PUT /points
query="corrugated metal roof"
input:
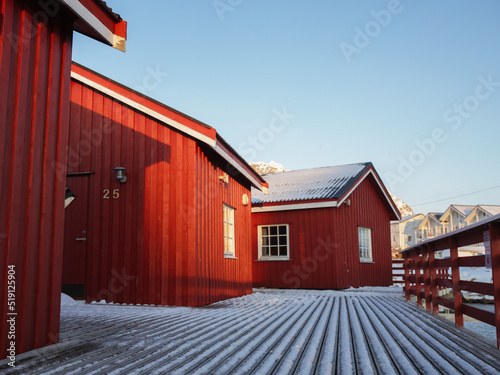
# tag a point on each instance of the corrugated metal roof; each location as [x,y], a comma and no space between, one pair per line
[310,184]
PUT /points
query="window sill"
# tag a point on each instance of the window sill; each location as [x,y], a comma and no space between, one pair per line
[271,259]
[367,261]
[229,257]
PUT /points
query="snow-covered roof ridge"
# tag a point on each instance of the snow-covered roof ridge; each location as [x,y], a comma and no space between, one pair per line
[310,184]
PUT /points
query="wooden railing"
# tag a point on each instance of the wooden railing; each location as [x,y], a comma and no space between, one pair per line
[398,275]
[424,275]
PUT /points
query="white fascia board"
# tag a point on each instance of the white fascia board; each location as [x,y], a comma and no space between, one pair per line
[296,206]
[89,18]
[146,110]
[240,169]
[398,214]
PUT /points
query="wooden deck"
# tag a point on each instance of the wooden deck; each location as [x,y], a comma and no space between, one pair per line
[365,331]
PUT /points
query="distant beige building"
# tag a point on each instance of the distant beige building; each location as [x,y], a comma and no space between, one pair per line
[403,232]
[454,217]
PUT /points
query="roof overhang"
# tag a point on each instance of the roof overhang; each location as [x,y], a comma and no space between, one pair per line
[295,206]
[395,214]
[240,166]
[170,117]
[93,20]
[301,205]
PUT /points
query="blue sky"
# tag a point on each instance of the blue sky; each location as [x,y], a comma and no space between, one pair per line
[412,86]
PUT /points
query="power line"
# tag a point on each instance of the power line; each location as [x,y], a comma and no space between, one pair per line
[458,196]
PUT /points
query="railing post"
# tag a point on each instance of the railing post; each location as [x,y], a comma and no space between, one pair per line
[433,279]
[427,280]
[406,266]
[455,275]
[495,268]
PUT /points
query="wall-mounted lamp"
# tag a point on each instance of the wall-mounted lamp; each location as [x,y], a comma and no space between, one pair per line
[347,202]
[245,200]
[120,174]
[224,178]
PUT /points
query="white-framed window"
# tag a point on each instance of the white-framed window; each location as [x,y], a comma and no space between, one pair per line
[228,222]
[274,242]
[365,244]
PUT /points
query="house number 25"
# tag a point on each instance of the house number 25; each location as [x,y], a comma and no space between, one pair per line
[107,194]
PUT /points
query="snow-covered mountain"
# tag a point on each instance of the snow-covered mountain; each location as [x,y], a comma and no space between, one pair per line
[402,206]
[273,167]
[262,168]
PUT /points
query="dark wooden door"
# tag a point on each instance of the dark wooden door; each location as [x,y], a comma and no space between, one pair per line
[76,237]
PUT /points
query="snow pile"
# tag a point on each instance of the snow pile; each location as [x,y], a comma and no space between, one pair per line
[66,300]
[477,274]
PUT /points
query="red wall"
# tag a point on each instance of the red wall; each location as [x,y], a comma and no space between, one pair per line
[324,249]
[35,61]
[161,241]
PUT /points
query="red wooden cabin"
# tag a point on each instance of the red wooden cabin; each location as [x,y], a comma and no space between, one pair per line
[323,228]
[35,63]
[177,231]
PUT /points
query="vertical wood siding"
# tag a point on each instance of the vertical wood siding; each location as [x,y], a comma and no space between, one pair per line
[161,241]
[35,62]
[324,252]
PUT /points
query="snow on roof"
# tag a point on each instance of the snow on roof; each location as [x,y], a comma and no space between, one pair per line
[404,218]
[310,184]
[463,210]
[490,209]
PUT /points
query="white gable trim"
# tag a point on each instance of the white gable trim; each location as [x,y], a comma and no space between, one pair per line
[296,206]
[381,187]
[144,109]
[235,164]
[89,18]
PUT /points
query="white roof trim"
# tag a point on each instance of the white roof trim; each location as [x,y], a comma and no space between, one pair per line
[234,163]
[144,109]
[398,214]
[86,15]
[295,206]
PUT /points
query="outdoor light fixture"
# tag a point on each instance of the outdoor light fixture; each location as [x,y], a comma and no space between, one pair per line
[224,178]
[120,174]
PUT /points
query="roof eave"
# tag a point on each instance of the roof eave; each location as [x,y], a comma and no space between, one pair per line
[370,170]
[240,165]
[97,23]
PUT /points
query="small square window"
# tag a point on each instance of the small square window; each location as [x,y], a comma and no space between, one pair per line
[274,242]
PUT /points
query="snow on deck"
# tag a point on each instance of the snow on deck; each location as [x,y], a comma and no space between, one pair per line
[366,330]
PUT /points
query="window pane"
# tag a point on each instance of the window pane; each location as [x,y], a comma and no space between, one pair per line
[282,229]
[265,231]
[282,240]
[274,250]
[274,240]
[265,251]
[274,230]
[283,251]
[265,241]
